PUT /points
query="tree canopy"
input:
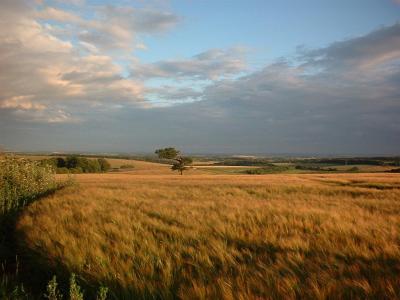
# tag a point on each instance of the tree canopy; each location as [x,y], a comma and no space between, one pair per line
[180,163]
[168,153]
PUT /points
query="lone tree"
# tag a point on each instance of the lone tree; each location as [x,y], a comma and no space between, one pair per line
[180,163]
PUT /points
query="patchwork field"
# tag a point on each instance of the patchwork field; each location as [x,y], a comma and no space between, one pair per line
[221,236]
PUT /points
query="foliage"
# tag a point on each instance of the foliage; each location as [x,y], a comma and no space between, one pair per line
[75,292]
[22,181]
[127,166]
[10,286]
[267,170]
[104,164]
[243,162]
[180,163]
[102,294]
[312,167]
[76,164]
[373,161]
[353,169]
[52,290]
[167,153]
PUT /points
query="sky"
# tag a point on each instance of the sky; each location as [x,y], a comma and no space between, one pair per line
[235,77]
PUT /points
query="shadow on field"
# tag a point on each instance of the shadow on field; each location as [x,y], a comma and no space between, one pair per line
[38,271]
[8,220]
[15,267]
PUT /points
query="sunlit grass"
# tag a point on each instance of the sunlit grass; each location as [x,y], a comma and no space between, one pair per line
[225,237]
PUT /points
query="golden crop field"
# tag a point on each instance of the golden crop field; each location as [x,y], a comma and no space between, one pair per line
[149,236]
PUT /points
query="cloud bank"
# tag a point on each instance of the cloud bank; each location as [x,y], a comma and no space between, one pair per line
[60,73]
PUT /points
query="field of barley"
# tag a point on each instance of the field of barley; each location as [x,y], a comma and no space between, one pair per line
[198,236]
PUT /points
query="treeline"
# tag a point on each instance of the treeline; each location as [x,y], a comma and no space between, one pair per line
[314,168]
[75,164]
[148,158]
[244,162]
[373,161]
[270,169]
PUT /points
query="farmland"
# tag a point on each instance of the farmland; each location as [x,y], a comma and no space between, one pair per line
[199,150]
[148,233]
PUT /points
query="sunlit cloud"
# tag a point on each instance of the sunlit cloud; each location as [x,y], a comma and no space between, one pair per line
[73,63]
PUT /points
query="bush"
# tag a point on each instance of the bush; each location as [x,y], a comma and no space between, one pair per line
[75,164]
[63,171]
[314,168]
[71,162]
[267,170]
[75,291]
[353,169]
[21,181]
[127,166]
[104,164]
[75,171]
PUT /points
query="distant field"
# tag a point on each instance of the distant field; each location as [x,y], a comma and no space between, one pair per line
[204,166]
[364,168]
[281,236]
[140,166]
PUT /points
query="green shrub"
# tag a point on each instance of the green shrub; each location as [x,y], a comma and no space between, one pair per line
[271,169]
[75,170]
[127,166]
[102,294]
[75,165]
[104,165]
[63,171]
[353,169]
[52,290]
[75,292]
[21,181]
[71,162]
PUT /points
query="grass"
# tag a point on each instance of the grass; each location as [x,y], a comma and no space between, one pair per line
[281,236]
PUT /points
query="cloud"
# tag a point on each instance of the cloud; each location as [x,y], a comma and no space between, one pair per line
[209,65]
[73,2]
[138,20]
[62,68]
[51,13]
[169,95]
[21,103]
[141,46]
[40,70]
[111,27]
[362,53]
[343,98]
[345,93]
